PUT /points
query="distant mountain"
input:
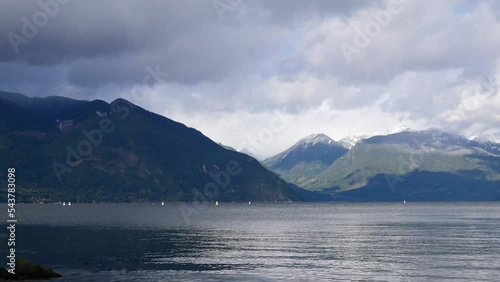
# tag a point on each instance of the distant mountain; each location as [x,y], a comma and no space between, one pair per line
[45,106]
[306,158]
[421,165]
[68,150]
[46,110]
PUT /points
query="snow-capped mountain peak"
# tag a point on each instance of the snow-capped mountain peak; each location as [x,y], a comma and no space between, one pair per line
[351,140]
[314,150]
[316,139]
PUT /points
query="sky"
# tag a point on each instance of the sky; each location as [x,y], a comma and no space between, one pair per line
[259,75]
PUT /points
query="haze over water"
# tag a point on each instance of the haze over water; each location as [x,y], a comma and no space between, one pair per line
[264,242]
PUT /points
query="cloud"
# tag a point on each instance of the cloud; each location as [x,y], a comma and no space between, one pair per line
[227,75]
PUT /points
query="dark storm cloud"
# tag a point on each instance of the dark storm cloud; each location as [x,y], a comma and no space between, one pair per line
[69,31]
[34,80]
[112,42]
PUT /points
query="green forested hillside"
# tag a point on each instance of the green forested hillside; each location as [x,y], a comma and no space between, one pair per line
[121,152]
[428,165]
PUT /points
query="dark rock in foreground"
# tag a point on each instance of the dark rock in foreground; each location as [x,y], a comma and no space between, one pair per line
[27,270]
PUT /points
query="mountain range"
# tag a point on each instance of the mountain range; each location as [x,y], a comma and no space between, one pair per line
[306,159]
[85,151]
[427,165]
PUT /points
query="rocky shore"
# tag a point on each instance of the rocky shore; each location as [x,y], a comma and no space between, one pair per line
[27,270]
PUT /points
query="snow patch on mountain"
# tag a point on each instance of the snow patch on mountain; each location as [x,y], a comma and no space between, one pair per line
[479,139]
[351,140]
[399,129]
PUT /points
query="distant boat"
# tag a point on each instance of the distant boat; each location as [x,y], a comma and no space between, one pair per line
[216,203]
[64,203]
[249,203]
[162,203]
[404,202]
[69,203]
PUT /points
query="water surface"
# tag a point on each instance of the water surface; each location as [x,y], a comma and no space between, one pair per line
[264,242]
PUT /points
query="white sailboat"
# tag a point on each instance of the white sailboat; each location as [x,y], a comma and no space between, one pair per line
[216,203]
[162,203]
[69,203]
[64,204]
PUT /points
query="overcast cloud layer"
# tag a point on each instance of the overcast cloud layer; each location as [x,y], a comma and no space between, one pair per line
[230,67]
